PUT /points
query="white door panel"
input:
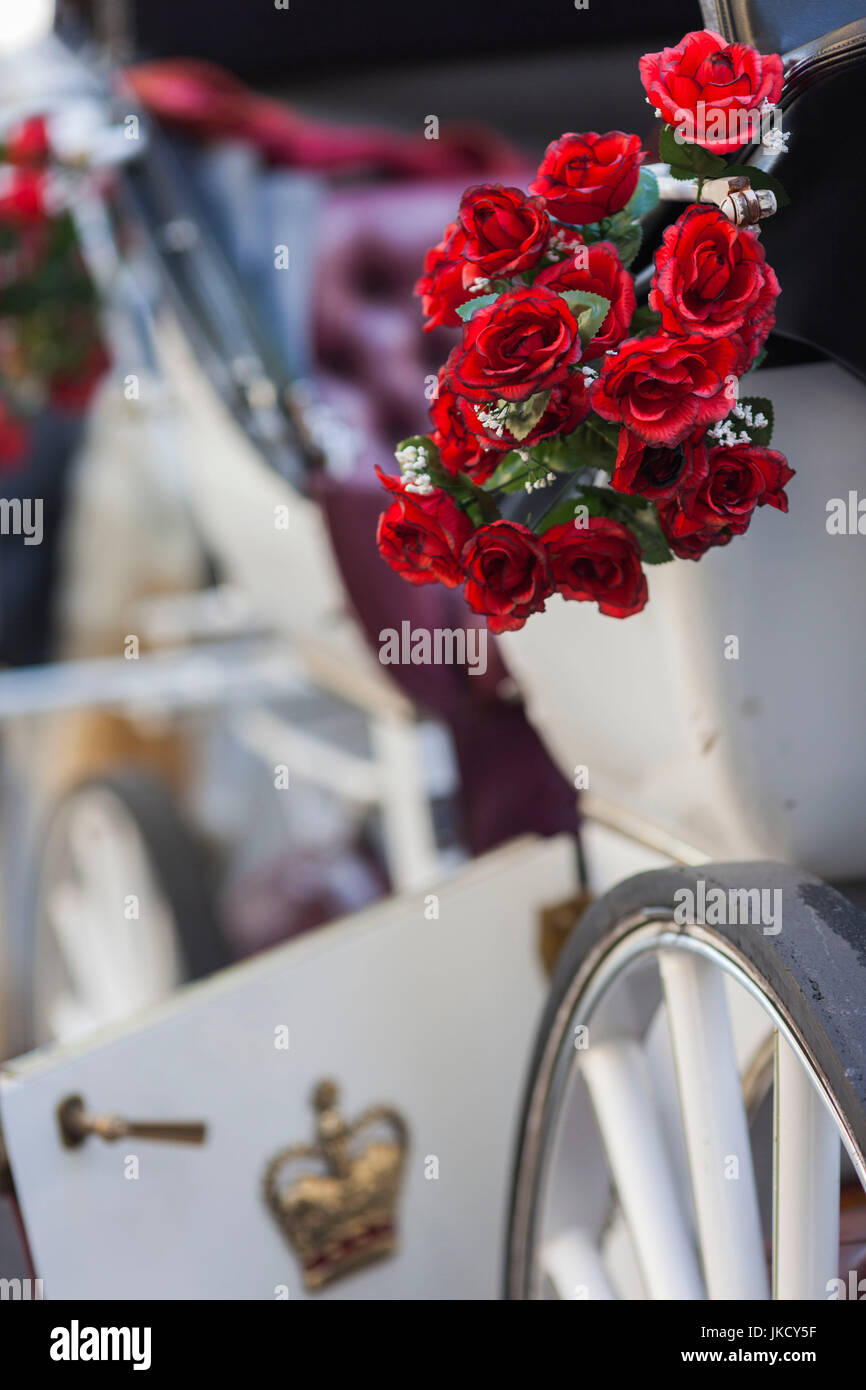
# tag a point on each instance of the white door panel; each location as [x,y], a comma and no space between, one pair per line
[435,1018]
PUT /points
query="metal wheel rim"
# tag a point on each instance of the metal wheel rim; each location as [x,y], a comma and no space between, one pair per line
[640,935]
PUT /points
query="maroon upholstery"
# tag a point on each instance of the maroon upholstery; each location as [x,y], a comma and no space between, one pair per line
[375,360]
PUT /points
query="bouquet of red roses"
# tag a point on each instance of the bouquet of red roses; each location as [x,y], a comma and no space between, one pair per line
[51,349]
[624,425]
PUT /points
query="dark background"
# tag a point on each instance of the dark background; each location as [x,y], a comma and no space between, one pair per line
[530,68]
[254,39]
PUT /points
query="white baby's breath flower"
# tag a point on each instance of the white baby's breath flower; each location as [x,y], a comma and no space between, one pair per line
[775,140]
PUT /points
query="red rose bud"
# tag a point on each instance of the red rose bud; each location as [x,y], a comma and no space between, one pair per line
[708,88]
[710,277]
[583,178]
[598,563]
[441,286]
[647,470]
[27,143]
[13,441]
[524,342]
[662,389]
[421,536]
[22,195]
[507,574]
[505,231]
[599,269]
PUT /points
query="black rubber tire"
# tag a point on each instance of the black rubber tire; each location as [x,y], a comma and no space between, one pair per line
[814,970]
[179,860]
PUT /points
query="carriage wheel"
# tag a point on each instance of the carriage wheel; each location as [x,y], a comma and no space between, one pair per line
[124,911]
[695,1119]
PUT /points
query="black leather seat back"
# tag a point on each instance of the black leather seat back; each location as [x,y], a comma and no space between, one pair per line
[777,26]
[816,244]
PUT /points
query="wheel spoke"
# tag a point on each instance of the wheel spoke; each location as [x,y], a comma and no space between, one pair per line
[573,1265]
[806,1149]
[620,1087]
[715,1128]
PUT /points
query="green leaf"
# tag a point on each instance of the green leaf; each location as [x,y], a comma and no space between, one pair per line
[522,416]
[645,196]
[688,161]
[473,499]
[759,178]
[626,236]
[644,320]
[594,443]
[606,429]
[511,474]
[559,454]
[592,231]
[564,510]
[589,309]
[466,310]
[648,532]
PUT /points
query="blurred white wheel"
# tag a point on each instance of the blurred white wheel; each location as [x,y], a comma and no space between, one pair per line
[124,912]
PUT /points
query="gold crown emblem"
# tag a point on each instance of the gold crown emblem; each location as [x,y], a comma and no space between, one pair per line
[345,1216]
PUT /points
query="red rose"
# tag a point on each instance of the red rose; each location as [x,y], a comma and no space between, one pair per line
[662,388]
[583,178]
[28,142]
[505,231]
[462,448]
[689,544]
[441,285]
[525,341]
[710,277]
[599,562]
[23,196]
[13,441]
[648,470]
[605,275]
[739,479]
[750,340]
[732,79]
[507,574]
[567,407]
[421,537]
